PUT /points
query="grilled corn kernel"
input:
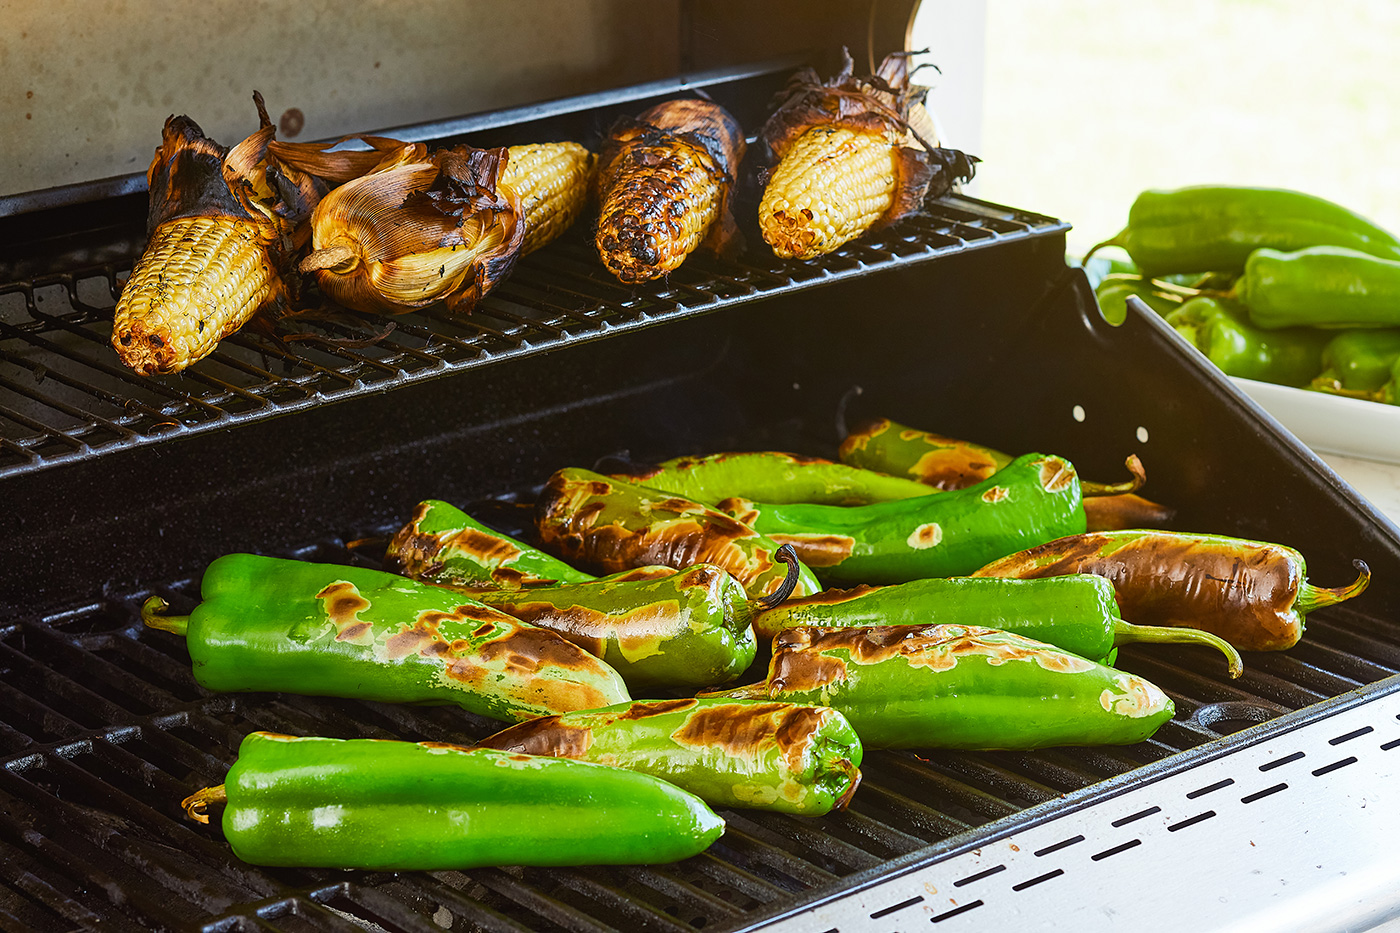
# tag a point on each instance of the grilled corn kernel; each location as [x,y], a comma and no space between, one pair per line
[199,280]
[552,182]
[658,203]
[828,189]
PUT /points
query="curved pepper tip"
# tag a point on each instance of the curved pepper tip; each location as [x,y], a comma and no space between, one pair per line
[788,555]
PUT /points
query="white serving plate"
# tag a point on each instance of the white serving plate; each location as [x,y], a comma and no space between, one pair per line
[1331,423]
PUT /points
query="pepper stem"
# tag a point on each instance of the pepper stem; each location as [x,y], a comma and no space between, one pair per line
[1125,633]
[1134,466]
[1316,597]
[788,555]
[151,617]
[1115,241]
[196,805]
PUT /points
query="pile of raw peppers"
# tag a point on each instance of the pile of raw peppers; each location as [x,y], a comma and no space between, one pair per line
[1269,284]
[921,592]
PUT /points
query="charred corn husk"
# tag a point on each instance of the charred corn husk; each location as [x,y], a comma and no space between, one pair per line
[850,155]
[418,231]
[552,181]
[664,183]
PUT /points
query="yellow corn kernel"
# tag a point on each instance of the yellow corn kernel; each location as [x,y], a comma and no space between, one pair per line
[658,204]
[828,189]
[199,280]
[552,182]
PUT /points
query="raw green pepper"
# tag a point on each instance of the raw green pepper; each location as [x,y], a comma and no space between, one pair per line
[1358,361]
[1113,294]
[1034,499]
[610,525]
[1325,286]
[958,686]
[328,630]
[1221,330]
[394,806]
[730,753]
[1076,612]
[1215,228]
[1253,594]
[772,477]
[443,544]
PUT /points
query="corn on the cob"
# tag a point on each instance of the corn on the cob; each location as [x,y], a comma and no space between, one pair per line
[852,155]
[665,181]
[416,232]
[552,182]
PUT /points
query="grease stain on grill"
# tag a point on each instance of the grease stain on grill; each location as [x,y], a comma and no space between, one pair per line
[1191,821]
[1328,769]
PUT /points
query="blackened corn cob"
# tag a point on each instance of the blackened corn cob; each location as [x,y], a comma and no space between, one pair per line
[665,181]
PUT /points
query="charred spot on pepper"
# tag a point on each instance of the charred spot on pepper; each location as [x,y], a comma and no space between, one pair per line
[995,494]
[739,729]
[1056,475]
[548,735]
[639,711]
[816,550]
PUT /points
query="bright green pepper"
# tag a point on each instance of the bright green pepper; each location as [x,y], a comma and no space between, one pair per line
[394,806]
[1034,499]
[1076,612]
[1113,294]
[730,753]
[958,686]
[1221,330]
[1325,286]
[1215,228]
[773,477]
[1358,361]
[610,525]
[443,544]
[328,630]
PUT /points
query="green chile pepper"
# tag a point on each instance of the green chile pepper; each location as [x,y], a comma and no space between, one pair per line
[1113,294]
[1253,594]
[1221,330]
[1215,227]
[1358,361]
[1076,612]
[770,476]
[959,686]
[1034,499]
[1325,286]
[394,806]
[942,462]
[689,629]
[610,525]
[327,630]
[443,544]
[730,753]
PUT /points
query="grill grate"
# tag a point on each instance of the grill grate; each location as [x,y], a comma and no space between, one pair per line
[103,731]
[64,395]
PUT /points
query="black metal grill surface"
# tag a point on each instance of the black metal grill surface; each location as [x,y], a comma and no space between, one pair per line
[103,732]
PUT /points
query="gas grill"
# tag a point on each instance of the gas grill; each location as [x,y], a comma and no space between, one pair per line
[1263,795]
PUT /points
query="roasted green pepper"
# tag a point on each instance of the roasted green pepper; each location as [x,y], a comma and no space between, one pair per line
[609,525]
[1358,361]
[1034,499]
[394,806]
[772,477]
[1221,330]
[1076,612]
[1325,286]
[328,630]
[1215,228]
[958,686]
[1253,594]
[730,753]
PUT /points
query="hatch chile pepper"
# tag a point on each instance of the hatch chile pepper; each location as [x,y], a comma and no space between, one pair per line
[1221,330]
[392,806]
[1214,228]
[1034,499]
[730,753]
[1077,613]
[1253,594]
[1325,286]
[328,630]
[769,476]
[1358,361]
[609,525]
[958,686]
[1113,294]
[946,463]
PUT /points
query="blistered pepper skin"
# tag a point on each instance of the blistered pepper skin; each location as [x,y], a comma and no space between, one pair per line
[391,806]
[959,686]
[329,630]
[772,476]
[756,754]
